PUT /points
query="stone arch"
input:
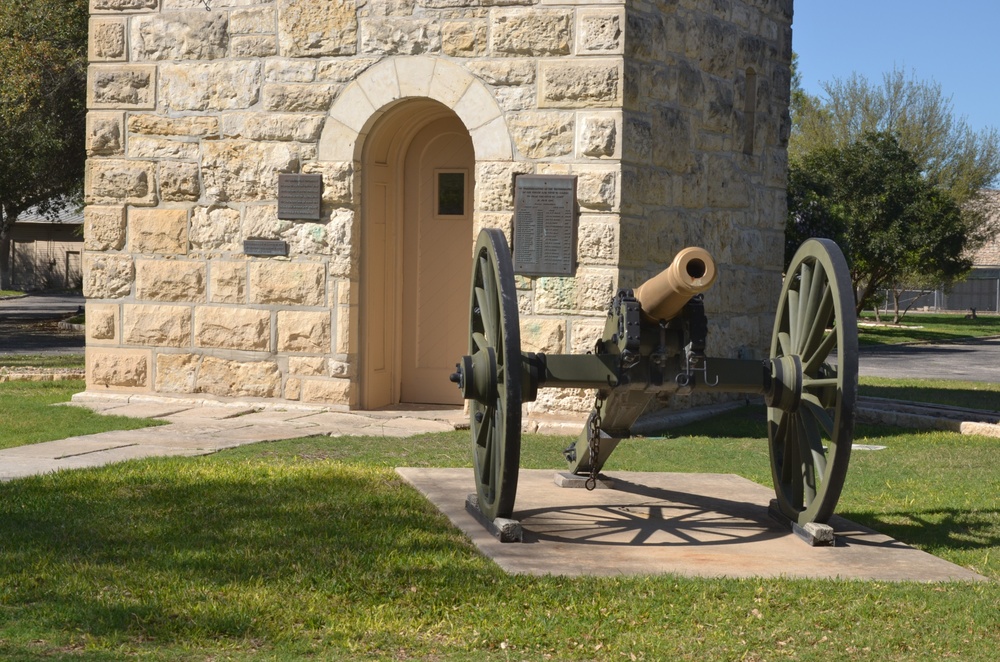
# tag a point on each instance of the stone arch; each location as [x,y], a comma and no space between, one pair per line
[395,79]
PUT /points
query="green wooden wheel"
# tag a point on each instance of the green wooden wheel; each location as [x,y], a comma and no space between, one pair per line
[494,385]
[814,365]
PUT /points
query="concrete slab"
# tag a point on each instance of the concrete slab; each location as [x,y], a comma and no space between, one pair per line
[209,413]
[146,410]
[276,416]
[62,448]
[706,525]
[329,421]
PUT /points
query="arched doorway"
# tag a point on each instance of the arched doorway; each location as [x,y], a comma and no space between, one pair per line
[418,166]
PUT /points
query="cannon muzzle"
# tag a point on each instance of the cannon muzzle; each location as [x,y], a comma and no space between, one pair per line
[664,295]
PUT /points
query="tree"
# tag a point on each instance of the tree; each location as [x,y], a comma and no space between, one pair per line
[950,157]
[950,154]
[873,198]
[43,60]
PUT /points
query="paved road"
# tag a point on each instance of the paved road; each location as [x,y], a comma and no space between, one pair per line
[976,360]
[30,325]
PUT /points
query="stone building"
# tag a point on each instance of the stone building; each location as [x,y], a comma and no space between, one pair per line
[671,115]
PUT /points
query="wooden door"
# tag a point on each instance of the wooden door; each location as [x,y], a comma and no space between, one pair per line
[436,260]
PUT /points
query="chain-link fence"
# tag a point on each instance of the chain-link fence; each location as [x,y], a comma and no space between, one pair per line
[981,290]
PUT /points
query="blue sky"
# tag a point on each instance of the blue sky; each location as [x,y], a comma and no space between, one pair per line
[953,43]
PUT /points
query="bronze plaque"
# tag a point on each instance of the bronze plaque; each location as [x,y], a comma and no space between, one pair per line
[300,197]
[544,225]
[265,247]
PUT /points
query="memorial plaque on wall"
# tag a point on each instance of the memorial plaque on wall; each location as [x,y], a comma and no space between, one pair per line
[544,225]
[300,197]
[265,247]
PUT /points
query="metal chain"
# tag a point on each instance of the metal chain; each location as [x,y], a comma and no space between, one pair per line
[594,445]
[208,4]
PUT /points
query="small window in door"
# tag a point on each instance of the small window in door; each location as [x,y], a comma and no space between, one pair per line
[450,194]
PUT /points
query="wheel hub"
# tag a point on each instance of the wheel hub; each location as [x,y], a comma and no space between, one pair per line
[476,376]
[786,383]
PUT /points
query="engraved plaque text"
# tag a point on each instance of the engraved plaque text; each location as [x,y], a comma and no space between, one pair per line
[544,225]
[265,247]
[299,197]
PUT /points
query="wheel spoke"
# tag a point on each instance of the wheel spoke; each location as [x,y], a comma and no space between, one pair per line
[813,448]
[807,457]
[785,343]
[485,310]
[781,430]
[815,408]
[482,433]
[496,435]
[812,363]
[486,466]
[801,306]
[793,321]
[492,297]
[479,341]
[820,314]
[790,451]
[808,382]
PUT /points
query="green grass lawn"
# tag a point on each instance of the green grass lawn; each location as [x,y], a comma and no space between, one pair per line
[313,549]
[926,327]
[10,293]
[27,414]
[74,361]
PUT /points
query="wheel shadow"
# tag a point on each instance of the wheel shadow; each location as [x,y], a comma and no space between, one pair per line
[662,518]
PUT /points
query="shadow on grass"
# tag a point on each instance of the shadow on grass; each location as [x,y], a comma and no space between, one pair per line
[171,551]
[937,529]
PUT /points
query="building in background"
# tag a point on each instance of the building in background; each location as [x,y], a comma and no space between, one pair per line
[980,290]
[46,250]
[417,117]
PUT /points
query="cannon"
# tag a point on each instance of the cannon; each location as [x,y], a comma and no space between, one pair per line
[654,346]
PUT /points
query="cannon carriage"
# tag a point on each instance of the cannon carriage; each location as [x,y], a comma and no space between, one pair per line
[654,345]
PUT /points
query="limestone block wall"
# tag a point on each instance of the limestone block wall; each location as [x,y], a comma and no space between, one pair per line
[704,156]
[196,106]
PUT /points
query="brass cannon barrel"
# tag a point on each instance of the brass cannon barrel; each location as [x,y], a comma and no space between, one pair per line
[663,296]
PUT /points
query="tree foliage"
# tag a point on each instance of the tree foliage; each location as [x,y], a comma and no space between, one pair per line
[891,173]
[873,198]
[43,71]
[949,152]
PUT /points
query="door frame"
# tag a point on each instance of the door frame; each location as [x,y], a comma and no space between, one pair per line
[386,146]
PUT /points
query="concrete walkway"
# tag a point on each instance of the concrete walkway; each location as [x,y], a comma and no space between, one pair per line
[201,427]
[204,426]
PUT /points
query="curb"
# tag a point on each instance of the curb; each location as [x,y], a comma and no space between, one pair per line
[928,417]
[917,343]
[85,397]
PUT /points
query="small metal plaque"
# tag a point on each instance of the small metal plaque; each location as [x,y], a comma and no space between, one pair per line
[300,197]
[265,247]
[544,225]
